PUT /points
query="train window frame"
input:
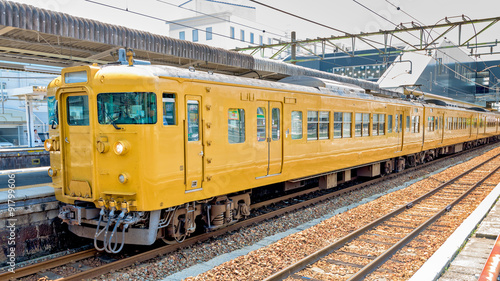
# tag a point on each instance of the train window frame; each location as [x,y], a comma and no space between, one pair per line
[193,121]
[323,123]
[53,111]
[297,125]
[381,124]
[347,125]
[415,128]
[337,124]
[275,124]
[236,119]
[390,123]
[124,112]
[261,128]
[312,124]
[362,124]
[169,101]
[375,122]
[366,125]
[430,124]
[84,111]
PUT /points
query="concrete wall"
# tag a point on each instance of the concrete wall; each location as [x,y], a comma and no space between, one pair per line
[35,229]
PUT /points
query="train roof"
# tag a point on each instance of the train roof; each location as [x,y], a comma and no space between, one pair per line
[303,84]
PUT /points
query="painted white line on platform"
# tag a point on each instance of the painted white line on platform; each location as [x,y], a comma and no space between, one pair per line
[24,170]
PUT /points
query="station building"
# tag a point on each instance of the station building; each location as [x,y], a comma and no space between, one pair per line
[446,71]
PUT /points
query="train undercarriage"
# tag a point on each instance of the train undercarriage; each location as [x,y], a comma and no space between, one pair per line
[111,228]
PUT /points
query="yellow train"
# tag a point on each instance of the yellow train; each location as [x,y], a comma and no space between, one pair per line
[141,152]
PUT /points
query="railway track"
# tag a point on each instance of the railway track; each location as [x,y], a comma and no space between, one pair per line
[86,272]
[375,243]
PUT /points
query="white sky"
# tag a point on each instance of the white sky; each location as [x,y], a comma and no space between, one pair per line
[345,15]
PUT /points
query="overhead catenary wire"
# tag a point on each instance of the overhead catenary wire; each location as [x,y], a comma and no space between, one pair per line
[463,16]
[470,80]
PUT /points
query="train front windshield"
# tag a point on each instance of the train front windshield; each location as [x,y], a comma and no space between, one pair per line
[127,108]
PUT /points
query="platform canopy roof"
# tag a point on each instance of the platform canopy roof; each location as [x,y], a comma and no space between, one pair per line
[33,35]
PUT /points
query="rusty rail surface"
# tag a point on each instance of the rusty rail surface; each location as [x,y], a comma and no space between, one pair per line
[373,265]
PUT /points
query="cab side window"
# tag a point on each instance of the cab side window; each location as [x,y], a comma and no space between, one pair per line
[169,109]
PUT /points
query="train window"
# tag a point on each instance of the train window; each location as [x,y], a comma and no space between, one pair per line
[236,125]
[296,125]
[389,123]
[455,123]
[346,125]
[436,123]
[362,124]
[126,108]
[375,125]
[77,110]
[378,126]
[193,120]
[381,124]
[275,122]
[358,123]
[480,122]
[261,124]
[324,125]
[475,123]
[415,124]
[52,108]
[408,124]
[430,123]
[169,109]
[400,123]
[312,125]
[337,125]
[366,124]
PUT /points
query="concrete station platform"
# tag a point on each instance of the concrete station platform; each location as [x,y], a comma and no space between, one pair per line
[464,254]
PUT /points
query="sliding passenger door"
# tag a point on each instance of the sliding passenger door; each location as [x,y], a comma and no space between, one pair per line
[269,138]
[193,141]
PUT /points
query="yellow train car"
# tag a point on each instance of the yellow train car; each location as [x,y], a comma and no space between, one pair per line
[141,152]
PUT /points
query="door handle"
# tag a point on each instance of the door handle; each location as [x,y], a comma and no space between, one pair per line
[66,139]
[201,154]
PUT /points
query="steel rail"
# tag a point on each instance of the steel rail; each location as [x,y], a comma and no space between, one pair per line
[316,256]
[45,265]
[382,258]
[91,273]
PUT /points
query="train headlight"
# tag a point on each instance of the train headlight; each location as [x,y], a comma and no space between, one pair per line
[123,178]
[51,172]
[48,144]
[121,147]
